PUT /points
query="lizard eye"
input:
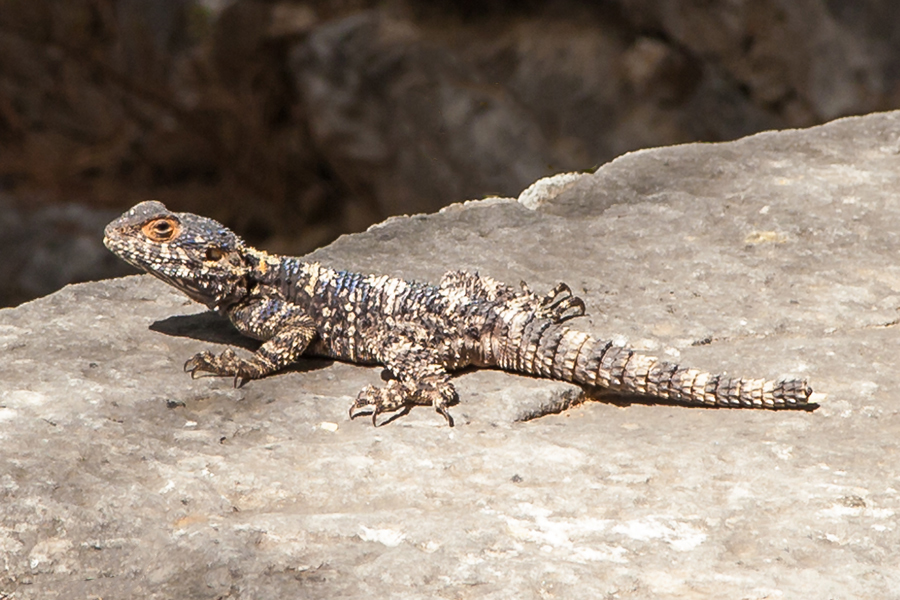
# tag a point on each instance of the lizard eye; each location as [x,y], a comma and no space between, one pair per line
[161,230]
[214,254]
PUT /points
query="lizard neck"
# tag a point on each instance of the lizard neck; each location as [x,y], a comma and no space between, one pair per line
[293,279]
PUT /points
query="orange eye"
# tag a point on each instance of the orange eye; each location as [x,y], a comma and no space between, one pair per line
[161,230]
[214,254]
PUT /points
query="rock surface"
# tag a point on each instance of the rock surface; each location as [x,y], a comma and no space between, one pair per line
[773,255]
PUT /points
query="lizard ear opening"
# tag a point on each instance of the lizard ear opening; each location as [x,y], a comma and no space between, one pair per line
[161,230]
[214,254]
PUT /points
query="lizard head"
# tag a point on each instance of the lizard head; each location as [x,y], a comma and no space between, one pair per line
[199,256]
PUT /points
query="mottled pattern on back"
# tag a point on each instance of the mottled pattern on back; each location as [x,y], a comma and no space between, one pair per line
[419,332]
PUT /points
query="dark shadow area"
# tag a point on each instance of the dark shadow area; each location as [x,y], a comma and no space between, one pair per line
[206,327]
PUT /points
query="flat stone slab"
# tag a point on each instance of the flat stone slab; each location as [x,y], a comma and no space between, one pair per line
[775,255]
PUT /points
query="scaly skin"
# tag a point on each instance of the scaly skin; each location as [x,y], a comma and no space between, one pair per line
[419,332]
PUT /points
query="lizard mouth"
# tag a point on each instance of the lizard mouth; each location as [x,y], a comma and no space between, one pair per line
[194,292]
[122,252]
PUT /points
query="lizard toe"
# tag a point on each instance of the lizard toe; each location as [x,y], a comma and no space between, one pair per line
[364,403]
[198,363]
[560,304]
[440,398]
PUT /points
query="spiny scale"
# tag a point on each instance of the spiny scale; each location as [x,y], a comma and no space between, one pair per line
[419,332]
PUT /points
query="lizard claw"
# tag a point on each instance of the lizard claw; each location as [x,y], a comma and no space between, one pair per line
[198,363]
[362,405]
[556,295]
[442,410]
[574,303]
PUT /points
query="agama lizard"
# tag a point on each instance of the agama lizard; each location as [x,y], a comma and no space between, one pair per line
[419,332]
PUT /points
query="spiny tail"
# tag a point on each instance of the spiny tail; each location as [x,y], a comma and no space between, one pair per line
[552,350]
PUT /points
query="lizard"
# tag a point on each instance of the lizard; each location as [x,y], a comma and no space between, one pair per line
[420,333]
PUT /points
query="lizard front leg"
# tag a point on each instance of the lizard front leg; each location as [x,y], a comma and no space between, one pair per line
[285,327]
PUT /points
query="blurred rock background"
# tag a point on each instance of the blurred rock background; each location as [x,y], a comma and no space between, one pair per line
[294,122]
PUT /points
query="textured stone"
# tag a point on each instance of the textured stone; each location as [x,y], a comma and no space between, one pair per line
[773,255]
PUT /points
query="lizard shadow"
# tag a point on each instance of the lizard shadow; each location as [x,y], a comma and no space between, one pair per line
[205,327]
[213,328]
[624,400]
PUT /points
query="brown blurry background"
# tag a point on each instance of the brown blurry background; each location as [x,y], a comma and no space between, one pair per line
[294,122]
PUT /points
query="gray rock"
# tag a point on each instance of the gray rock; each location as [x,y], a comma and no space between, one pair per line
[773,255]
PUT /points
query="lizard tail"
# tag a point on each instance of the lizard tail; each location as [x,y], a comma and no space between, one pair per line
[548,349]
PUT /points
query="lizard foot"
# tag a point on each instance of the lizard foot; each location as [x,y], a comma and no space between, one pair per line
[395,397]
[377,400]
[227,364]
[561,304]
